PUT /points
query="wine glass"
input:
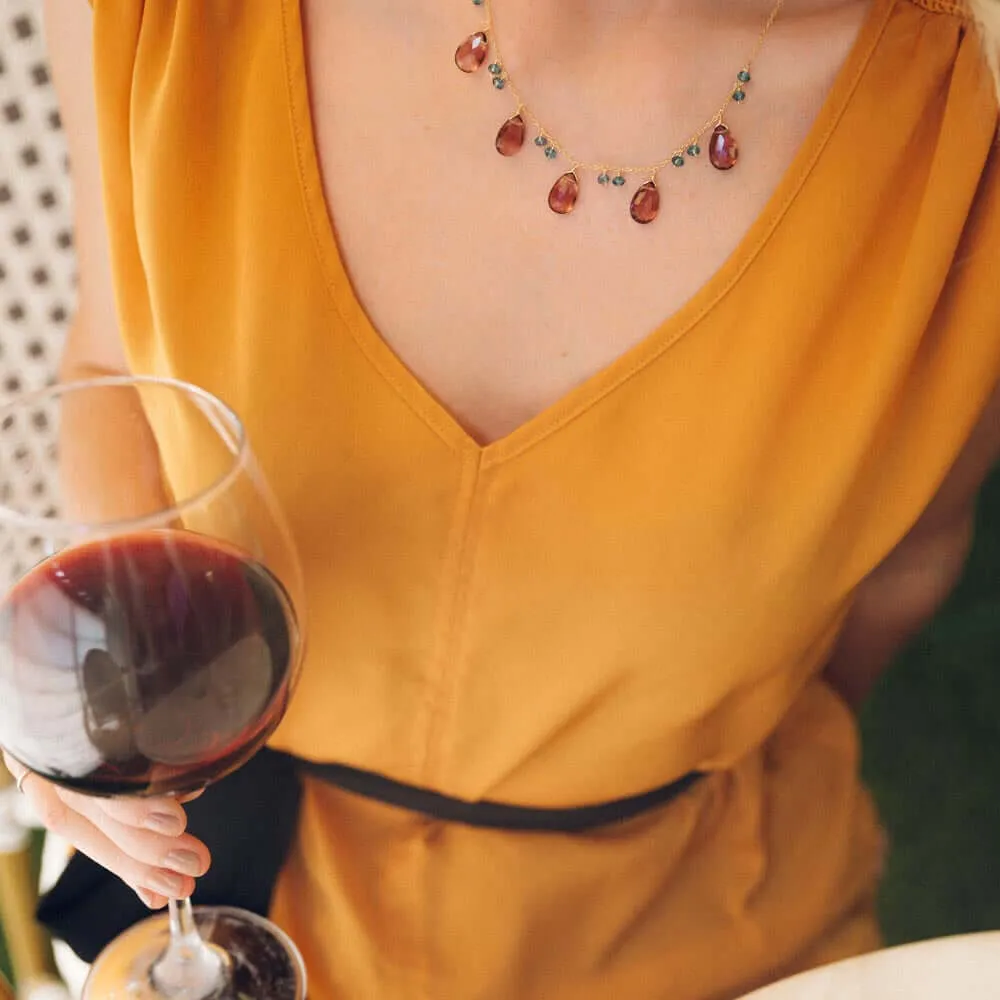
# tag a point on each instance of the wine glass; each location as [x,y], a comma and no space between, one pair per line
[150,635]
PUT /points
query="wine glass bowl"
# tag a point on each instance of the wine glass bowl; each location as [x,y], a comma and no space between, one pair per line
[164,659]
[150,623]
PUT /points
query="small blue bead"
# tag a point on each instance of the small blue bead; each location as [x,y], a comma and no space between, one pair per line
[540,140]
[619,181]
[694,149]
[743,76]
[479,3]
[551,152]
[678,161]
[739,95]
[604,178]
[499,82]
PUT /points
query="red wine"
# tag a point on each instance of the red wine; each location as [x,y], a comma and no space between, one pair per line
[148,663]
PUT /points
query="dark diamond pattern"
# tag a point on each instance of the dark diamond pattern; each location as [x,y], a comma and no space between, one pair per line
[22,27]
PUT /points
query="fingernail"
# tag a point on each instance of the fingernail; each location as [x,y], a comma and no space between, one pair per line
[168,824]
[167,884]
[148,899]
[185,862]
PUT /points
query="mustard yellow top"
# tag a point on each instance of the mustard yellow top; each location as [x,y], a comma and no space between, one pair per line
[621,590]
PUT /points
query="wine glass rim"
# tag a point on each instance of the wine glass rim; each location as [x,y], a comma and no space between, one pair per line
[49,525]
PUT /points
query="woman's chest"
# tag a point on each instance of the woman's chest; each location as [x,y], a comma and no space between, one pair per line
[498,306]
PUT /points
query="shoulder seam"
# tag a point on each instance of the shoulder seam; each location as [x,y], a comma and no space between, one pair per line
[953,8]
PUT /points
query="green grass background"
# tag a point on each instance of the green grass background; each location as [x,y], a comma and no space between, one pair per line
[932,757]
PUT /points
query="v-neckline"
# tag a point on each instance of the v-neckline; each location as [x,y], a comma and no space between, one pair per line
[582,397]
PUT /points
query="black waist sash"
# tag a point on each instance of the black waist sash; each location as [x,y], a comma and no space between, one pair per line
[248,822]
[495,815]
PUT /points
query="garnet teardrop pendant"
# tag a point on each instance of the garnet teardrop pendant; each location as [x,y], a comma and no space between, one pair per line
[723,151]
[471,54]
[645,203]
[565,191]
[510,138]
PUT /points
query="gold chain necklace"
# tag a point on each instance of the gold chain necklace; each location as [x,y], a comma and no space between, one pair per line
[723,149]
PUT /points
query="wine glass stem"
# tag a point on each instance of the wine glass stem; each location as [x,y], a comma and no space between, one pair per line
[190,969]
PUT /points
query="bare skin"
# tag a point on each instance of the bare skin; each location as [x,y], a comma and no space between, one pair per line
[457,231]
[610,78]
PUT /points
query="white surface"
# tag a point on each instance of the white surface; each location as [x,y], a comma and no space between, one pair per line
[13,835]
[954,968]
[73,970]
[45,991]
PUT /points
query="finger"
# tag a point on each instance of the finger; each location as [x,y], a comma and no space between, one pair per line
[150,899]
[81,833]
[162,815]
[118,820]
[16,768]
[164,807]
[185,854]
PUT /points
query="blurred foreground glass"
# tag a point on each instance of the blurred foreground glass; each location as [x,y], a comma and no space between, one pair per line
[150,636]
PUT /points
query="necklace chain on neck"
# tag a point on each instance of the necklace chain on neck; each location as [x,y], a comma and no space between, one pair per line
[723,149]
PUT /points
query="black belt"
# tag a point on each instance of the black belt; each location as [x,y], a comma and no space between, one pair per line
[495,815]
[248,821]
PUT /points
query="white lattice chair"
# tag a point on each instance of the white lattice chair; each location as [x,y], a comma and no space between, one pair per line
[37,280]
